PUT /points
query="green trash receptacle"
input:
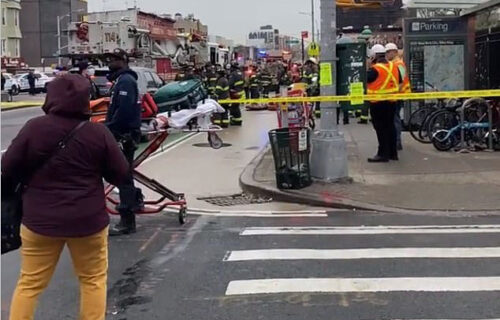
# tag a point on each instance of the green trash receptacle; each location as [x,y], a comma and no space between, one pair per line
[291,150]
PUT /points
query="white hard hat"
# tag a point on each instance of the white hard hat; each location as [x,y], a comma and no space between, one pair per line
[313,60]
[391,46]
[378,49]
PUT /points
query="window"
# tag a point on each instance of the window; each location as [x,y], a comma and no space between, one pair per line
[16,18]
[159,82]
[16,48]
[3,47]
[149,80]
[4,16]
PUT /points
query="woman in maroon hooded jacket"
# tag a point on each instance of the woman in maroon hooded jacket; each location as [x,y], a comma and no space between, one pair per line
[63,203]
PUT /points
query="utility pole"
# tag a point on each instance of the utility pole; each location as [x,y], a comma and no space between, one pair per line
[329,156]
[59,59]
[312,19]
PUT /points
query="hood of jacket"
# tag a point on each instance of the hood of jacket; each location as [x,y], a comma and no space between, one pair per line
[68,96]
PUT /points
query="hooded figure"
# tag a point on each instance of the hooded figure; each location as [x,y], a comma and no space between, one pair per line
[69,188]
[63,198]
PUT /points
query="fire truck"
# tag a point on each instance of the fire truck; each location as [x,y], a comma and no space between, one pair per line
[91,40]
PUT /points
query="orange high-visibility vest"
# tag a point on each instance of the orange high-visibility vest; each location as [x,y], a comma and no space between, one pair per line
[387,81]
[406,86]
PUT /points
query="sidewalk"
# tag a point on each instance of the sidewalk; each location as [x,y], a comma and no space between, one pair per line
[423,179]
[200,171]
[22,101]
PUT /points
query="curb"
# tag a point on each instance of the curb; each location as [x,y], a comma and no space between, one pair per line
[249,185]
[5,109]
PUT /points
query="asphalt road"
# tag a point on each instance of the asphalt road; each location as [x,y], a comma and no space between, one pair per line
[14,120]
[412,267]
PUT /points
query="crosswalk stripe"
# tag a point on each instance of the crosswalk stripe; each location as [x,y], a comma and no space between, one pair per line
[348,230]
[376,253]
[341,285]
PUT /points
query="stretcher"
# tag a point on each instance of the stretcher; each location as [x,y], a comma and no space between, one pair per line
[158,129]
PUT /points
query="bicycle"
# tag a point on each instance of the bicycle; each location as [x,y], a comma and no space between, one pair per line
[476,132]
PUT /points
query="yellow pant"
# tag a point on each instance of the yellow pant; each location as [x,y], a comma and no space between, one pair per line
[39,256]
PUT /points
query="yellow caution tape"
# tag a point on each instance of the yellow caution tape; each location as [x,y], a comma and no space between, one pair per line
[375,97]
[19,104]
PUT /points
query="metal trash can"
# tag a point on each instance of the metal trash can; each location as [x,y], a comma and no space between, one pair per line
[291,150]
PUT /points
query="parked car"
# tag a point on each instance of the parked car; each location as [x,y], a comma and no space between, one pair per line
[148,80]
[11,84]
[40,84]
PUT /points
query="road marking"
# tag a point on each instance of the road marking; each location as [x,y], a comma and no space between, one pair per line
[150,240]
[339,285]
[247,214]
[348,230]
[171,146]
[258,211]
[347,254]
[263,215]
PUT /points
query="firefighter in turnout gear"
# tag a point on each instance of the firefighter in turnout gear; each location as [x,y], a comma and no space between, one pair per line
[265,81]
[221,93]
[254,84]
[383,77]
[310,76]
[237,91]
[211,80]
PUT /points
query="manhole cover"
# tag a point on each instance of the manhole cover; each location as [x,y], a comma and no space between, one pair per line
[206,145]
[235,199]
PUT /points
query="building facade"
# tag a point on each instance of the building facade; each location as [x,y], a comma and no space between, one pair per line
[377,18]
[190,25]
[38,22]
[11,31]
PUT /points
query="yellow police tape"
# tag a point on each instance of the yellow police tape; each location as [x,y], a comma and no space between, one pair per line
[375,97]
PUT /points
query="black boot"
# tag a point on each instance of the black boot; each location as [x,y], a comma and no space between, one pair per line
[125,226]
[378,158]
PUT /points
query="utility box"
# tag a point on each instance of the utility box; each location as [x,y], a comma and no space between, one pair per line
[351,68]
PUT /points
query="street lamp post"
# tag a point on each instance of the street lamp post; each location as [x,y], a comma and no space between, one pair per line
[59,19]
[329,156]
[312,19]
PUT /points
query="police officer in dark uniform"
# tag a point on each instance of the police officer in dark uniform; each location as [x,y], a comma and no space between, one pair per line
[123,119]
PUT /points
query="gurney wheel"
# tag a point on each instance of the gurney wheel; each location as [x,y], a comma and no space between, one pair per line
[214,140]
[182,215]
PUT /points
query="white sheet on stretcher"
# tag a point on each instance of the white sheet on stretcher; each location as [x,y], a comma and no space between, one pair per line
[180,119]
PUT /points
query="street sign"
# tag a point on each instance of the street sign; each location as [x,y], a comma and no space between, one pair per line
[305,34]
[313,50]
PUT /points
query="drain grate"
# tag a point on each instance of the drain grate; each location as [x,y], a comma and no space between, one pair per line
[235,199]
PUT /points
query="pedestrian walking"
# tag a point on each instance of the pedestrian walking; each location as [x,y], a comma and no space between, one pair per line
[383,78]
[62,160]
[31,82]
[123,119]
[392,55]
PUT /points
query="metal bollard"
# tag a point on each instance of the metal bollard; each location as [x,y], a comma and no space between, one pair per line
[462,130]
[490,126]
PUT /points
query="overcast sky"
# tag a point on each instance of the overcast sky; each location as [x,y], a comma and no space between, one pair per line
[233,19]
